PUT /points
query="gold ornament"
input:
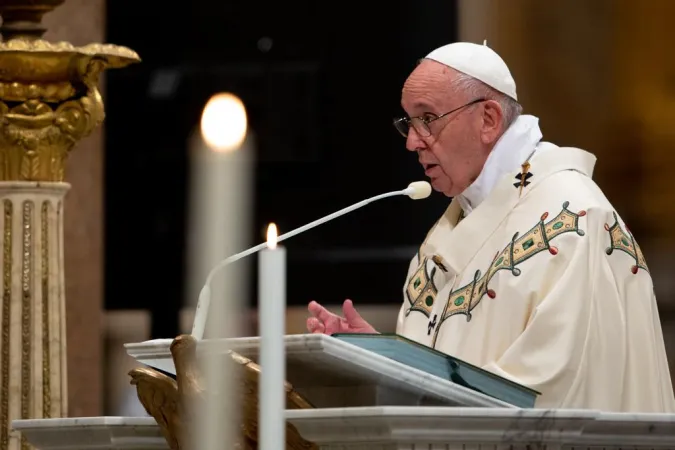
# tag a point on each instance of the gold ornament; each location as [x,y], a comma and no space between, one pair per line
[49,97]
[167,399]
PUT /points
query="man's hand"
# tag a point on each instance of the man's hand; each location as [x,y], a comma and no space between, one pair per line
[325,322]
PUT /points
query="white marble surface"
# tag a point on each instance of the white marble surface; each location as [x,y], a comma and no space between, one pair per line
[100,433]
[316,360]
[647,430]
[394,427]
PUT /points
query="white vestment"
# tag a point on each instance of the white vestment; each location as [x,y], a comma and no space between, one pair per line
[545,286]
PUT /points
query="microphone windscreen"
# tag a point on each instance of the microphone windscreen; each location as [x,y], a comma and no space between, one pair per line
[418,190]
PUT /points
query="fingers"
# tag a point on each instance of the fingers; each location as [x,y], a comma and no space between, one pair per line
[350,313]
[315,326]
[319,311]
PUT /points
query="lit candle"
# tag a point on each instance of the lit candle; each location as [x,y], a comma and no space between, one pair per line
[220,211]
[272,312]
[219,225]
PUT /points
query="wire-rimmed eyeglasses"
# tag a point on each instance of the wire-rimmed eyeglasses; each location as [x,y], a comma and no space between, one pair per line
[421,123]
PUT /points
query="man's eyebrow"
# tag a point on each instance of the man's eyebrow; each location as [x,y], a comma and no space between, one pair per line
[423,108]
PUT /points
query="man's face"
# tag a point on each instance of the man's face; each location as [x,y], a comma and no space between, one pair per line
[454,154]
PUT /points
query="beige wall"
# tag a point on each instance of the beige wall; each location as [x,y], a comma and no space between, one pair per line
[81,22]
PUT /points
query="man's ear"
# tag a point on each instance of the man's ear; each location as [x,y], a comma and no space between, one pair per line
[493,119]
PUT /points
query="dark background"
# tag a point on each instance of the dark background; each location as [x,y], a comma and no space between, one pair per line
[321,102]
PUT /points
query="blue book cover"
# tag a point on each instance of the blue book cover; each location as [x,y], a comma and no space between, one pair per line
[444,366]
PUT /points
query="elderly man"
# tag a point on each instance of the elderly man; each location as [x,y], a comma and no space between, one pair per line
[530,273]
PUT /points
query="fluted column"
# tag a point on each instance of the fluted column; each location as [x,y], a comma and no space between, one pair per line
[49,101]
[33,340]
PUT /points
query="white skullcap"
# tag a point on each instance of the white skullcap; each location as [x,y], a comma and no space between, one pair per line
[478,61]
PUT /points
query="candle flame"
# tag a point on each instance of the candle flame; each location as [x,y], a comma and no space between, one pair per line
[272,236]
[224,122]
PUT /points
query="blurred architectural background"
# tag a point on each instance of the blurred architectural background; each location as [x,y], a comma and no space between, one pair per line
[321,83]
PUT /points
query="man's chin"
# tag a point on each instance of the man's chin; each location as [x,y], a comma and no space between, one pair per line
[440,186]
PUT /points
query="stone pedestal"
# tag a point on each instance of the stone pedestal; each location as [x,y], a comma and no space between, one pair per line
[33,340]
[404,428]
[396,428]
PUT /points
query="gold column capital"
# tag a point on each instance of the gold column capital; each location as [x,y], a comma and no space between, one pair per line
[49,97]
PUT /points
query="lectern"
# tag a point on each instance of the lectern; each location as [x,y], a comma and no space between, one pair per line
[358,399]
[330,372]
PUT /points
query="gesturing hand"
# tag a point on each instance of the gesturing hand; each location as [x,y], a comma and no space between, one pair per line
[324,321]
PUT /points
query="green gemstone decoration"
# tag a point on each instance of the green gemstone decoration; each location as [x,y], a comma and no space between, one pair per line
[527,244]
[429,300]
[417,283]
[558,225]
[459,300]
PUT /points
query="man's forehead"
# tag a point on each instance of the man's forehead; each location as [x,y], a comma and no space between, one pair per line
[427,86]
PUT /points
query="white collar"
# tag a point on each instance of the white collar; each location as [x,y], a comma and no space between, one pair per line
[511,151]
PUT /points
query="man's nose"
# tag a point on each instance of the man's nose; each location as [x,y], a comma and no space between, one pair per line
[413,142]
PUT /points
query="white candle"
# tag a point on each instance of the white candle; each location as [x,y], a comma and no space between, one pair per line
[220,211]
[272,313]
[219,225]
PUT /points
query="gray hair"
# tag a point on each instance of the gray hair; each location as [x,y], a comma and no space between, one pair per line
[477,89]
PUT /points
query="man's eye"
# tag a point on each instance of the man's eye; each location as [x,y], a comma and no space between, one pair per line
[429,117]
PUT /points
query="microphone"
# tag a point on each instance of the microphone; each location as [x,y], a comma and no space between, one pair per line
[417,190]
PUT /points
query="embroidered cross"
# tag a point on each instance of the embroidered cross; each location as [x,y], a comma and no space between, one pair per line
[432,325]
[523,177]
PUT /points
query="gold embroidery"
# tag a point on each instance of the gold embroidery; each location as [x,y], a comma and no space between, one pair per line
[524,175]
[26,313]
[624,241]
[63,385]
[421,290]
[46,370]
[520,249]
[6,310]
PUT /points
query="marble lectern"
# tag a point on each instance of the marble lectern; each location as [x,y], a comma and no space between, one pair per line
[332,373]
[360,400]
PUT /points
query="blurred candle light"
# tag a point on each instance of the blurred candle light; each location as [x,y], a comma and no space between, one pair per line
[224,123]
[220,203]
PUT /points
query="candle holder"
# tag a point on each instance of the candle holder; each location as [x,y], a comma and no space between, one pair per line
[49,97]
[49,100]
[165,399]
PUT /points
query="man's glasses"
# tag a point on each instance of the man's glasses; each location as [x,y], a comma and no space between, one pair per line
[421,124]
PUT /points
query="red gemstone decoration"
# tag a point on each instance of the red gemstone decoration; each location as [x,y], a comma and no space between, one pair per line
[544,216]
[582,213]
[491,293]
[606,227]
[634,269]
[553,250]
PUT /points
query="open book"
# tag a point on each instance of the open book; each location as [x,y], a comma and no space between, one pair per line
[444,366]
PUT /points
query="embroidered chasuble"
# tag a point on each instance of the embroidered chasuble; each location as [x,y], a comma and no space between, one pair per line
[545,285]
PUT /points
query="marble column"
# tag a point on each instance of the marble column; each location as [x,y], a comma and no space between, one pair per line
[49,101]
[32,344]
